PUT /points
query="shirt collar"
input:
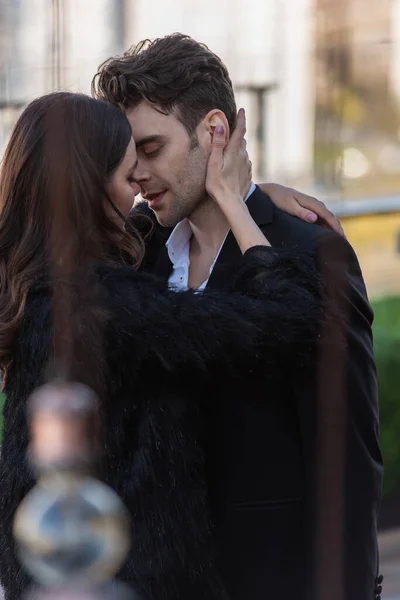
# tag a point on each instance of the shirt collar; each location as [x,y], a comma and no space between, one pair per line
[252,189]
[178,242]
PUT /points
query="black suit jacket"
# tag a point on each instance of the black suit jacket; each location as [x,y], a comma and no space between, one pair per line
[295,473]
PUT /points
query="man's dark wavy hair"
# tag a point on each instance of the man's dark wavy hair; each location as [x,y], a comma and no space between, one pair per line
[174,73]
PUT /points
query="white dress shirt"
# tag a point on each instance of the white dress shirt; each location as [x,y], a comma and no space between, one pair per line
[178,246]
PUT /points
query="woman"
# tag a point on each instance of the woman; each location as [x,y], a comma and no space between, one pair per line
[66,187]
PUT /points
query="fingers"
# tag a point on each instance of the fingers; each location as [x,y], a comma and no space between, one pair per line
[238,134]
[305,214]
[316,210]
[248,167]
[333,223]
[217,146]
[243,150]
[218,139]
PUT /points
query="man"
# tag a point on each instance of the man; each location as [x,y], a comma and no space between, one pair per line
[294,474]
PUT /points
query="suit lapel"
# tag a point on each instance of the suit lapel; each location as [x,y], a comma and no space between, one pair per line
[163,265]
[261,209]
[227,260]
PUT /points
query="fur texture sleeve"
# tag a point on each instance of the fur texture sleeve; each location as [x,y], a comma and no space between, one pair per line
[279,317]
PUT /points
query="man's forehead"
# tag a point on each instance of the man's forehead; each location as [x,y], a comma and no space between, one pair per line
[148,122]
[145,115]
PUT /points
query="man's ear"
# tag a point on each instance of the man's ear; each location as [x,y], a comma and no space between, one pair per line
[206,128]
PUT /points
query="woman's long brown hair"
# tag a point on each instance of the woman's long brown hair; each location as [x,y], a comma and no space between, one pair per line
[63,150]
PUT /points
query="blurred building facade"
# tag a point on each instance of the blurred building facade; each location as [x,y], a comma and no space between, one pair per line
[266,44]
[320,81]
[357,120]
[310,73]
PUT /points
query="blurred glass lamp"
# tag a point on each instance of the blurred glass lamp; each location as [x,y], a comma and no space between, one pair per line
[71,529]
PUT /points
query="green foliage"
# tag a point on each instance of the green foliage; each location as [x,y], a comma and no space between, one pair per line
[387,353]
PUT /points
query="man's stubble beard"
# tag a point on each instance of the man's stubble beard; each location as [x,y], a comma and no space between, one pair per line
[191,187]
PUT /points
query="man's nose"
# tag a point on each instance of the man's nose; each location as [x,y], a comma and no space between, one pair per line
[141,174]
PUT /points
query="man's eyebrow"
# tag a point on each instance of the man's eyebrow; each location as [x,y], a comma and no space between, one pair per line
[149,139]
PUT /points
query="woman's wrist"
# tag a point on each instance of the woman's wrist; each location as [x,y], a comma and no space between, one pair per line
[243,227]
[234,209]
[227,200]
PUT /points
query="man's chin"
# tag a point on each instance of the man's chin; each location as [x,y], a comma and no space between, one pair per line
[163,219]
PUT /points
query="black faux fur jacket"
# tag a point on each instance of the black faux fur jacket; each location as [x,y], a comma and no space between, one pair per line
[151,354]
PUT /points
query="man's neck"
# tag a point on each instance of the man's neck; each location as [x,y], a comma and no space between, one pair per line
[209,227]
